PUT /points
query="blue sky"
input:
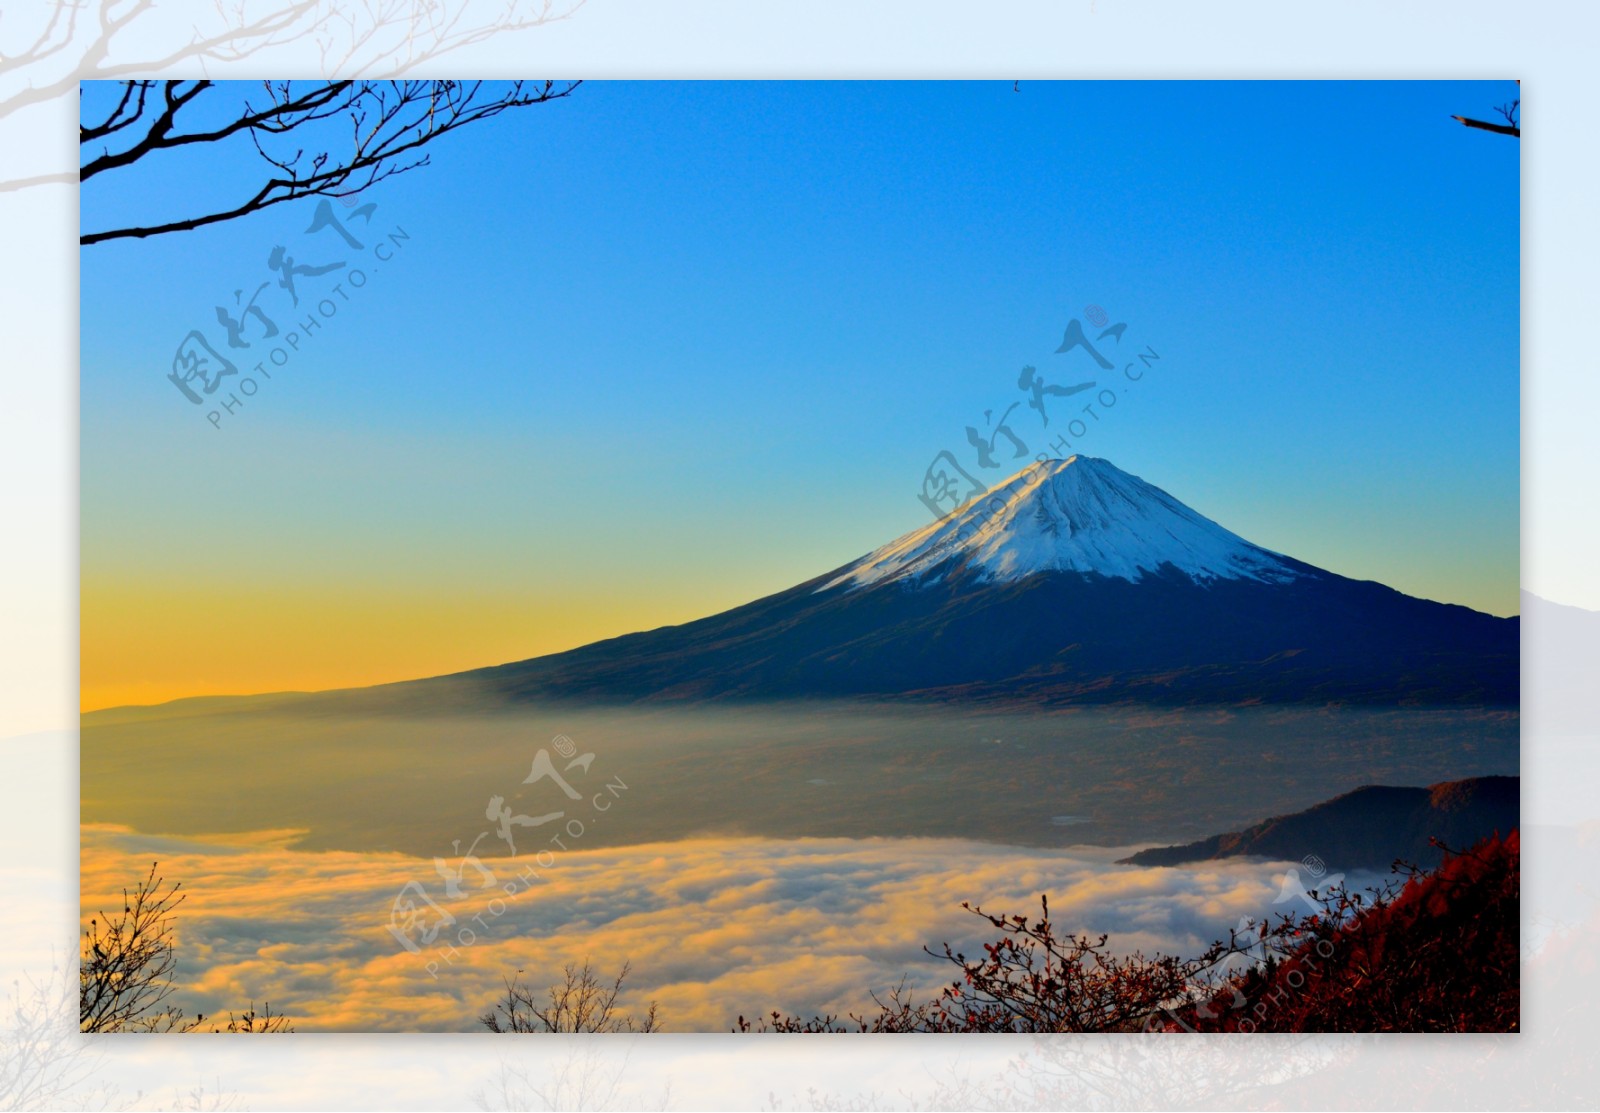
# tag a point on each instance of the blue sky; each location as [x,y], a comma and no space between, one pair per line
[659,348]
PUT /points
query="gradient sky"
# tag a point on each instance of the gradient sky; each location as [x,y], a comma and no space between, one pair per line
[658,349]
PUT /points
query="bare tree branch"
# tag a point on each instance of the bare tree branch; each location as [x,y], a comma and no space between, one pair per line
[233,42]
[75,41]
[1508,112]
[15,184]
[126,963]
[389,124]
[43,1063]
[125,969]
[580,1003]
[1502,129]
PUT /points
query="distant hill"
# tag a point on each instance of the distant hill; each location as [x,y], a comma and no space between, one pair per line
[1368,828]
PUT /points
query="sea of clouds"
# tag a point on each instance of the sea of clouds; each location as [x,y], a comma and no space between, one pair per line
[711,928]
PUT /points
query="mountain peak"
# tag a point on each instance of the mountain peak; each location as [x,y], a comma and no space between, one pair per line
[1217,620]
[1082,514]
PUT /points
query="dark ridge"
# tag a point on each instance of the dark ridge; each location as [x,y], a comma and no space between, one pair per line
[1369,828]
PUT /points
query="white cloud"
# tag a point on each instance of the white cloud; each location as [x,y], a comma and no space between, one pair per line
[712,928]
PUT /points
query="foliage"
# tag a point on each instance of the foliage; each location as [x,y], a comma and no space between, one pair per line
[1428,951]
[1441,956]
[1031,979]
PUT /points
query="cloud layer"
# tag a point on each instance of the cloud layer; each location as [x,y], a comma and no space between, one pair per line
[712,927]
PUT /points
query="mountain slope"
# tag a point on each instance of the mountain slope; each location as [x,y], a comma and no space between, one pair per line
[1071,582]
[1078,515]
[1368,828]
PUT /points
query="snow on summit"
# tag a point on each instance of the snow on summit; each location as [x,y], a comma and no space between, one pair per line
[1081,514]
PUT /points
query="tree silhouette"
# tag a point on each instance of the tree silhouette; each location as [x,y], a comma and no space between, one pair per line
[1033,979]
[580,1003]
[1425,951]
[47,50]
[327,139]
[1510,113]
[126,963]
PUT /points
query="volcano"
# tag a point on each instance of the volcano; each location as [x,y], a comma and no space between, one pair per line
[1071,582]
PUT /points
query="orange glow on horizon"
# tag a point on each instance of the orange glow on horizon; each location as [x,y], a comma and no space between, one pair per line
[150,643]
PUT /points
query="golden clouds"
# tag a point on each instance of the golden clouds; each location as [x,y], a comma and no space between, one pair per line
[713,927]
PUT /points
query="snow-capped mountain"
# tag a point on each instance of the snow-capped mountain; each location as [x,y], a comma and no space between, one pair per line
[1081,514]
[1071,582]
